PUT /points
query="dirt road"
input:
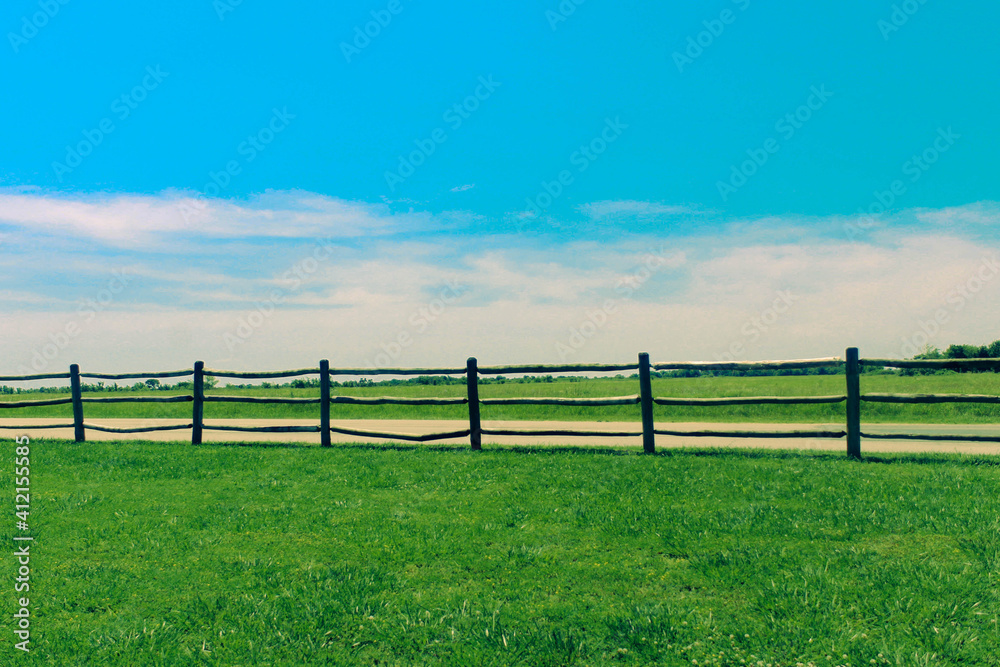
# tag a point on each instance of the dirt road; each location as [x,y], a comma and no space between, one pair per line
[436,426]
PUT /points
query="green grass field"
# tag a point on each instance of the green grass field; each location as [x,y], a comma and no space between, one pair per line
[162,554]
[971,383]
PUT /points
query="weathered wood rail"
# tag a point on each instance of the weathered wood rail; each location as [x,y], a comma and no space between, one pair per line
[645,399]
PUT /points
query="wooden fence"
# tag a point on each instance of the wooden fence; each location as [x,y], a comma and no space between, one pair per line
[645,399]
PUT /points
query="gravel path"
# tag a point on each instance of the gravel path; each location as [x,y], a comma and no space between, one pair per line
[435,426]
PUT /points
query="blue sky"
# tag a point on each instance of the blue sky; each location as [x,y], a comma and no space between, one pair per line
[339,167]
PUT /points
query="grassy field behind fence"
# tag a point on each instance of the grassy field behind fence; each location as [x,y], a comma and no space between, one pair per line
[161,554]
[969,383]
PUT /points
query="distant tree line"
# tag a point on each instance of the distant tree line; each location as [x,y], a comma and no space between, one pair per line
[990,351]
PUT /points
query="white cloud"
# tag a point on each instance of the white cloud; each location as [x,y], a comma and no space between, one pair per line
[131,221]
[982,213]
[603,209]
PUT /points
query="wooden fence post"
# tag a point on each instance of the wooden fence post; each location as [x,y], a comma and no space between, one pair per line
[79,434]
[646,402]
[324,402]
[853,404]
[472,388]
[198,411]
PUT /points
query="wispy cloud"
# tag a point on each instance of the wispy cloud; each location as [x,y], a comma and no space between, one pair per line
[982,213]
[602,209]
[130,221]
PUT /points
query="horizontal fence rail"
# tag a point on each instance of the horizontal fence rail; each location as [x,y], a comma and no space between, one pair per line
[427,437]
[136,376]
[395,400]
[261,399]
[35,404]
[140,399]
[928,436]
[23,427]
[397,371]
[930,398]
[548,369]
[590,402]
[754,434]
[28,378]
[264,429]
[750,400]
[263,375]
[851,364]
[936,364]
[560,432]
[748,365]
[138,429]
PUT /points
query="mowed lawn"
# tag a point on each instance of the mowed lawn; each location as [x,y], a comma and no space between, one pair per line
[969,383]
[163,554]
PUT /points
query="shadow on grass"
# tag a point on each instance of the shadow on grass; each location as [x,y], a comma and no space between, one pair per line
[921,458]
[729,453]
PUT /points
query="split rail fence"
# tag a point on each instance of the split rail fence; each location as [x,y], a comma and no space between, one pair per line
[645,399]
